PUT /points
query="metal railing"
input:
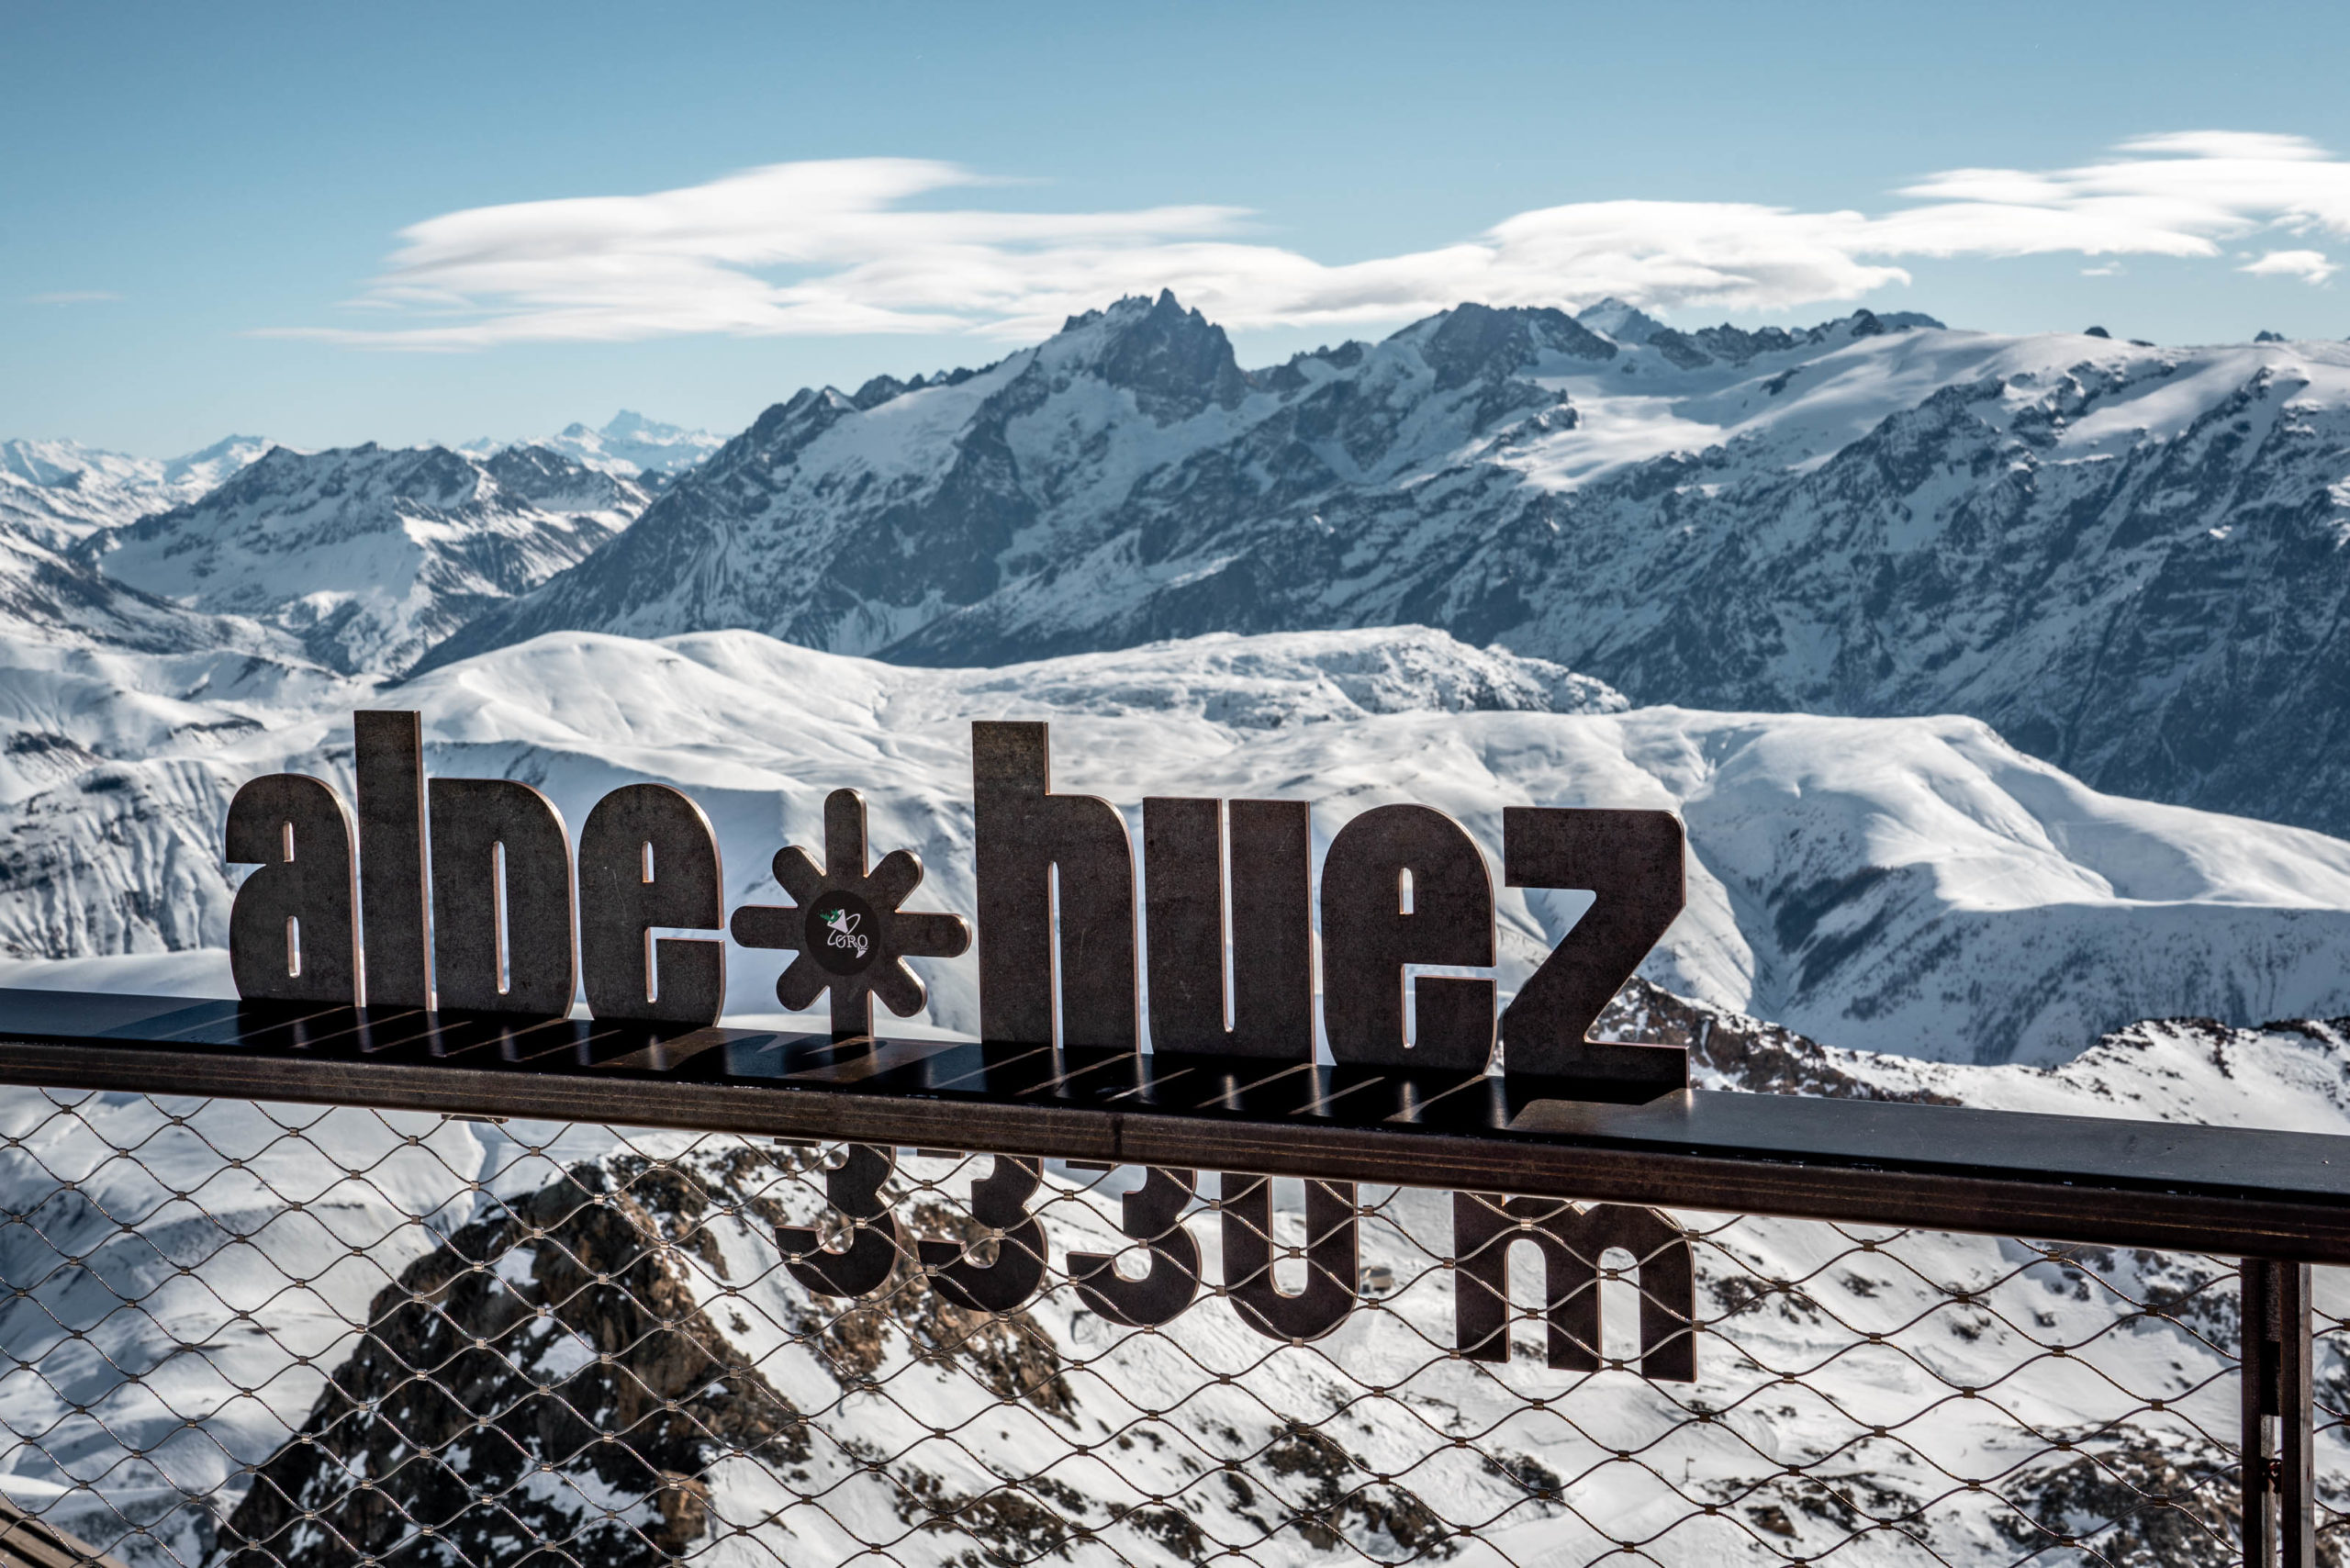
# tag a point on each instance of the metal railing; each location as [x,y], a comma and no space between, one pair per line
[254,1334]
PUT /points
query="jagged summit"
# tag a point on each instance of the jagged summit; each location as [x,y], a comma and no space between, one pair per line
[1176,362]
[2077,540]
[1621,322]
[1474,342]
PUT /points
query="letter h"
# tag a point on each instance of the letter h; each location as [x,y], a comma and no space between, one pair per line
[1032,844]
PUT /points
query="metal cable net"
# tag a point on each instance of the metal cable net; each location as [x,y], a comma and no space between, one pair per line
[256,1335]
[2330,1390]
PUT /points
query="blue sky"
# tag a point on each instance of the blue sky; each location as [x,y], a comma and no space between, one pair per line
[205,207]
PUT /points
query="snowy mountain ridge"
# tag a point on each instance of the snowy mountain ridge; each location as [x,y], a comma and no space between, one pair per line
[628,445]
[55,493]
[363,556]
[2123,558]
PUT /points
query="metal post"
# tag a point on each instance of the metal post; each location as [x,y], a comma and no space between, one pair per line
[2280,1494]
[2296,1477]
[2258,1385]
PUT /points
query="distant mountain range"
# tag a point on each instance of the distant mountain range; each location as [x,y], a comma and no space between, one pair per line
[2128,559]
[357,558]
[53,493]
[367,557]
[629,445]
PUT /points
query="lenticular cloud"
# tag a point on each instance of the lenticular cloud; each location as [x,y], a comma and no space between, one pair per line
[870,245]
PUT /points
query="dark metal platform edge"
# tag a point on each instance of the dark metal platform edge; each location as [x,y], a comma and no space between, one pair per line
[2234,1192]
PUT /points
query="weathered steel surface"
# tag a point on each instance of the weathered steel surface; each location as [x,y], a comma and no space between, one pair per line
[388,768]
[1152,1214]
[1045,861]
[1633,861]
[501,899]
[1570,1243]
[878,1241]
[2225,1190]
[290,932]
[1369,934]
[1005,1283]
[648,858]
[845,926]
[2277,1482]
[1332,1257]
[1270,906]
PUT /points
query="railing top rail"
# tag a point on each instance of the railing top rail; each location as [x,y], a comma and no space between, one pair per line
[2225,1190]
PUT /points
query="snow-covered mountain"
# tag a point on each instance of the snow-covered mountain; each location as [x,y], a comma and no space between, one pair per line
[55,493]
[363,555]
[1914,884]
[635,447]
[629,445]
[2126,558]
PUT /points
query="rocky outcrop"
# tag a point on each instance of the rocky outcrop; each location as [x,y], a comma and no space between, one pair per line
[542,1388]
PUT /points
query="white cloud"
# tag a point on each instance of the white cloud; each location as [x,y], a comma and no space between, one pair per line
[2309,266]
[868,245]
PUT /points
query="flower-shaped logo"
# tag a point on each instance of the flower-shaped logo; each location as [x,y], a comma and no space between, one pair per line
[847,928]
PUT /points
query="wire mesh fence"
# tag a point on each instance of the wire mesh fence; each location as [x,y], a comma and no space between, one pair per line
[257,1334]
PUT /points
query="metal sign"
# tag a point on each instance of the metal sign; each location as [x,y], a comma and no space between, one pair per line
[340,918]
[336,915]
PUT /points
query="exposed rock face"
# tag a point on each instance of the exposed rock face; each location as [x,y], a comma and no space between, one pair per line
[1732,1050]
[543,1388]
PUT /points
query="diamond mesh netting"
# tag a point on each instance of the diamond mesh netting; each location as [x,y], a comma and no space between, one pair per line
[259,1335]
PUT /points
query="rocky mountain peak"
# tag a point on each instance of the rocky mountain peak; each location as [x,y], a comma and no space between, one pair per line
[1625,323]
[1478,342]
[1176,362]
[788,427]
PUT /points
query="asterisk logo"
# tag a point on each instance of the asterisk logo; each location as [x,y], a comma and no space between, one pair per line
[849,935]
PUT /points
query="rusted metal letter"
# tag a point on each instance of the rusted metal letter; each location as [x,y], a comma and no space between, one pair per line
[1031,842]
[1571,1243]
[388,765]
[647,858]
[1633,864]
[1152,1214]
[1405,885]
[1184,906]
[1332,1257]
[290,933]
[501,899]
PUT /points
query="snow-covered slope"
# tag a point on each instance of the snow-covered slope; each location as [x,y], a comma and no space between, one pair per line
[368,555]
[2125,558]
[56,492]
[1912,885]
